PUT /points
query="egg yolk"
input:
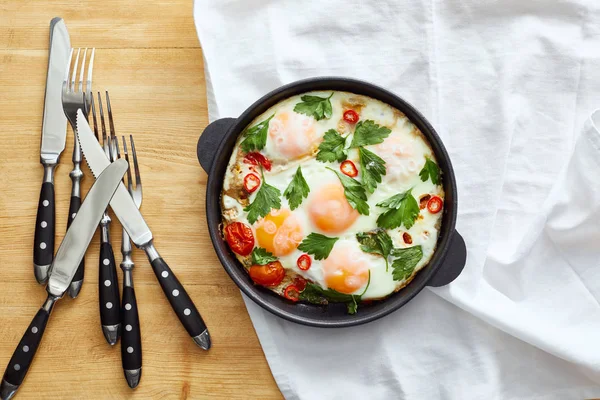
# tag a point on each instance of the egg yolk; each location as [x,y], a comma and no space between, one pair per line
[345,270]
[279,232]
[293,135]
[330,211]
[399,156]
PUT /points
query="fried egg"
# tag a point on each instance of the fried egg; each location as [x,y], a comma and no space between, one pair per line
[295,136]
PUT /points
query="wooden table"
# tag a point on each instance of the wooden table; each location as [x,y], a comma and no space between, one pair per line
[149,58]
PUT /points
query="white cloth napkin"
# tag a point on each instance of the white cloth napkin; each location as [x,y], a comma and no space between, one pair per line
[509,86]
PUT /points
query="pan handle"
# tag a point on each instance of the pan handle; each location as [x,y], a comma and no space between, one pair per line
[211,139]
[453,264]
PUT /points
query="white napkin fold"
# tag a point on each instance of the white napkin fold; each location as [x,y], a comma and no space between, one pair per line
[508,86]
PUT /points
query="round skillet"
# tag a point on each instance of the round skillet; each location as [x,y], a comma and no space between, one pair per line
[214,150]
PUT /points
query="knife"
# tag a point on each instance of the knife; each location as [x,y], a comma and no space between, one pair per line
[70,253]
[132,221]
[54,134]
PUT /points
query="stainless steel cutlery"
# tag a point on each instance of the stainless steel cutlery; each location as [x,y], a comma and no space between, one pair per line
[64,266]
[54,135]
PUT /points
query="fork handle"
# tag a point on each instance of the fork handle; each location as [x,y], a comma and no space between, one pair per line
[131,341]
[43,242]
[77,282]
[108,291]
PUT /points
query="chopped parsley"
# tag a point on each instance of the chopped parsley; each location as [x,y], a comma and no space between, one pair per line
[256,136]
[355,193]
[332,148]
[297,190]
[267,197]
[402,209]
[315,106]
[261,256]
[372,167]
[376,242]
[407,260]
[430,170]
[368,132]
[318,245]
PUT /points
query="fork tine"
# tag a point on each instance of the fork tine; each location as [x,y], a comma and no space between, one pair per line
[94,118]
[88,84]
[81,70]
[129,182]
[136,167]
[72,88]
[103,126]
[111,125]
[67,71]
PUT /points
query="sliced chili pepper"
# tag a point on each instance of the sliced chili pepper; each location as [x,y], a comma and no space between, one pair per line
[348,168]
[304,262]
[240,238]
[423,201]
[407,238]
[251,183]
[256,158]
[350,116]
[292,293]
[434,205]
[267,275]
[300,283]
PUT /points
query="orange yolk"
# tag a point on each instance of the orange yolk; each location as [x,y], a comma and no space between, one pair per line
[400,158]
[345,270]
[294,135]
[330,211]
[279,232]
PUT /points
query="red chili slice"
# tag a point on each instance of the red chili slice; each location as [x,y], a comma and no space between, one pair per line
[407,238]
[292,293]
[304,262]
[299,282]
[251,183]
[256,158]
[351,117]
[434,205]
[348,168]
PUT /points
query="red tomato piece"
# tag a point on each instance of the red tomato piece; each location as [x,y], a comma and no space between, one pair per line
[349,169]
[240,238]
[434,205]
[251,183]
[292,293]
[350,116]
[304,262]
[300,283]
[256,158]
[267,275]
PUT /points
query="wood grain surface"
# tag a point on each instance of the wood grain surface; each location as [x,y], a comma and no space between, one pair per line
[149,59]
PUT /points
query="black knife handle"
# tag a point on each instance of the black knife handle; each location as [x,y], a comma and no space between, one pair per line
[180,301]
[131,341]
[43,243]
[23,356]
[108,288]
[77,281]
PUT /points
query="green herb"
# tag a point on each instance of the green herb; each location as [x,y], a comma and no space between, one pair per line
[430,170]
[406,262]
[376,242]
[354,192]
[372,167]
[297,190]
[315,294]
[256,137]
[315,106]
[368,132]
[332,148]
[267,197]
[402,209]
[318,245]
[261,256]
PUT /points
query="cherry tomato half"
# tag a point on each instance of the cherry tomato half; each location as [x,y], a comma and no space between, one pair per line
[434,205]
[299,282]
[292,293]
[348,168]
[304,262]
[251,183]
[240,238]
[267,275]
[351,117]
[256,158]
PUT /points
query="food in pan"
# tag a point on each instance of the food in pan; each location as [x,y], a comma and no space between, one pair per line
[332,197]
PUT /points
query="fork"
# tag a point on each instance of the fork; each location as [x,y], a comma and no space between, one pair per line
[108,285]
[131,343]
[73,99]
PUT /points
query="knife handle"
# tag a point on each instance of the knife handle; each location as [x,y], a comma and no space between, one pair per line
[180,301]
[43,243]
[77,282]
[23,356]
[131,341]
[109,292]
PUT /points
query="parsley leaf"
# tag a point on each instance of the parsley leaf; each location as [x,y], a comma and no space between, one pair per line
[376,242]
[332,147]
[256,137]
[318,245]
[406,262]
[372,167]
[315,294]
[261,256]
[355,193]
[368,132]
[315,106]
[267,197]
[430,170]
[402,209]
[297,190]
